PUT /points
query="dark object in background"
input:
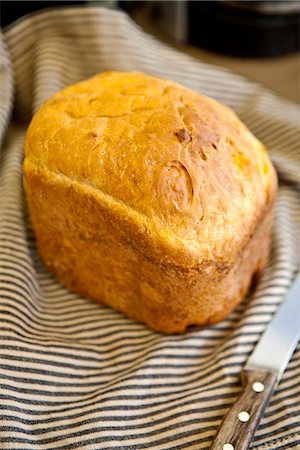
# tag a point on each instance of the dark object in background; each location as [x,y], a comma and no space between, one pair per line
[246,28]
[242,28]
[13,10]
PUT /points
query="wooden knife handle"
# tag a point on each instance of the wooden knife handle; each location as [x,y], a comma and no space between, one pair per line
[238,427]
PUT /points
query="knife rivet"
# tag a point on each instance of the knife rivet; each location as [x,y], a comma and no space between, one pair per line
[244,416]
[228,447]
[258,387]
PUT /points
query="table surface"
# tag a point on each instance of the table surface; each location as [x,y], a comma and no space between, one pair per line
[279,74]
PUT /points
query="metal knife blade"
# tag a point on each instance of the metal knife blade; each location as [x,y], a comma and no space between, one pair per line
[260,375]
[277,344]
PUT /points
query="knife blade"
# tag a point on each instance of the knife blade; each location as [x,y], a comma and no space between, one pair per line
[261,374]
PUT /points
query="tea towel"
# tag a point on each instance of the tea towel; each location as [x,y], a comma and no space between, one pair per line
[77,375]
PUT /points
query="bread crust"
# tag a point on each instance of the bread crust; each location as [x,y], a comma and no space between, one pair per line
[171,233]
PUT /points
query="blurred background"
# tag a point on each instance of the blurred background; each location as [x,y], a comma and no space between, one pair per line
[257,39]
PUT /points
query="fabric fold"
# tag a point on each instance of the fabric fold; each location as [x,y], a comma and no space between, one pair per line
[74,374]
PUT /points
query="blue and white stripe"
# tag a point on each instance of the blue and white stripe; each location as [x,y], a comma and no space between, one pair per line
[77,375]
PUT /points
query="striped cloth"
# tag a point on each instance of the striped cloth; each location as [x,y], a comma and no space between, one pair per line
[77,375]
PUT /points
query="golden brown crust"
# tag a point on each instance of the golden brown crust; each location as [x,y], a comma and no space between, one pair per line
[166,189]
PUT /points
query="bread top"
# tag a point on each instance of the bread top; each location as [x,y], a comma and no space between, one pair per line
[181,164]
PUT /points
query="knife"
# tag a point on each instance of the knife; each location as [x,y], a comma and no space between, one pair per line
[261,375]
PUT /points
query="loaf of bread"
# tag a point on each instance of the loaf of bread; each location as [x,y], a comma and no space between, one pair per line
[149,198]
